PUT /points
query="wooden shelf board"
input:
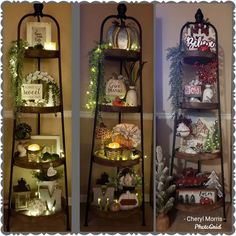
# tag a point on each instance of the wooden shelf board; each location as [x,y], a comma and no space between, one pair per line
[28,109]
[199,105]
[192,57]
[24,163]
[25,214]
[121,54]
[199,207]
[114,163]
[123,109]
[41,53]
[197,157]
[115,215]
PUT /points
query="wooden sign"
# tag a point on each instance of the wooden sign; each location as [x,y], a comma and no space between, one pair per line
[100,195]
[198,196]
[192,90]
[31,91]
[115,88]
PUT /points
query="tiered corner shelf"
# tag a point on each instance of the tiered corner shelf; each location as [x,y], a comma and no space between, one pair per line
[116,163]
[122,214]
[24,163]
[199,105]
[203,57]
[121,54]
[41,53]
[37,56]
[118,58]
[123,109]
[192,56]
[199,207]
[197,157]
[28,109]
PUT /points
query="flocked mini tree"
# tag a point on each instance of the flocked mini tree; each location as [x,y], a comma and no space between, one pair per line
[164,186]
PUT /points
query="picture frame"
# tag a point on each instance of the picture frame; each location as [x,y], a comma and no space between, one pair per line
[51,143]
[38,33]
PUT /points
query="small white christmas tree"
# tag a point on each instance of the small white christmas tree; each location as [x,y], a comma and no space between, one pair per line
[164,186]
[213,182]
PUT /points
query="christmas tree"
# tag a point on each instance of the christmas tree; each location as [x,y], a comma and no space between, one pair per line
[213,182]
[164,186]
[208,145]
[216,136]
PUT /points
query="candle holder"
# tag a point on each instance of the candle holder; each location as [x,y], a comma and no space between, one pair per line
[113,151]
[34,153]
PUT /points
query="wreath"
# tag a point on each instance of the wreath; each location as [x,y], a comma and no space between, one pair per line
[48,84]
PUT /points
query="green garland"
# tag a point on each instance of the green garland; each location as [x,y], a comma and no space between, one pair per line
[95,57]
[16,55]
[175,55]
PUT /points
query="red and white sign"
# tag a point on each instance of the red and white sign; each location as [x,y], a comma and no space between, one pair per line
[193,90]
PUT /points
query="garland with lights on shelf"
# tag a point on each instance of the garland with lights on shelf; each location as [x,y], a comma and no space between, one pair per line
[175,55]
[95,59]
[16,55]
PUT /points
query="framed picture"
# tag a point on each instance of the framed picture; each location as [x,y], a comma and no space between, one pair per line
[51,143]
[38,33]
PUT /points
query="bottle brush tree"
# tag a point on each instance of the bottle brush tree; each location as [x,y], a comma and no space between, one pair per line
[164,187]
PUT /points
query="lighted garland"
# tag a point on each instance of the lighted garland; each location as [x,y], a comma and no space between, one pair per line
[95,57]
[16,55]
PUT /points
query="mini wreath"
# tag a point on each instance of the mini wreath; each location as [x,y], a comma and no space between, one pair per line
[51,91]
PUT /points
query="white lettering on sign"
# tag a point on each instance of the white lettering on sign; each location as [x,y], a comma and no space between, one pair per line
[31,91]
[192,90]
[197,41]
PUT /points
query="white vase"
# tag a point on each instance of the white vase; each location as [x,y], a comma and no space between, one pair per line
[207,94]
[131,97]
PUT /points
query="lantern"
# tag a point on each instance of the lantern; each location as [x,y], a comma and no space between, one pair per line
[21,194]
[123,36]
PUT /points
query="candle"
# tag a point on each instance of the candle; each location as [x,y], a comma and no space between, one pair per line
[33,147]
[114,145]
[99,203]
[107,204]
[50,45]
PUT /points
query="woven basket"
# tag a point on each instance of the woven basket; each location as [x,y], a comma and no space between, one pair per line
[113,153]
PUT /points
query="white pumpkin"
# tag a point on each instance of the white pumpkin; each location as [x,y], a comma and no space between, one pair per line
[115,88]
[128,201]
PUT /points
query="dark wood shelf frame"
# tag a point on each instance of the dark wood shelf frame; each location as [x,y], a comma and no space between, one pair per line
[28,109]
[197,157]
[199,105]
[41,53]
[122,109]
[121,54]
[24,163]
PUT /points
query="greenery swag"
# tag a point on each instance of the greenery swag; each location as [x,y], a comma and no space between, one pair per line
[175,54]
[95,58]
[42,175]
[16,56]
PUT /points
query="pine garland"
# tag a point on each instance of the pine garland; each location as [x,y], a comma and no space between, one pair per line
[95,58]
[16,55]
[174,54]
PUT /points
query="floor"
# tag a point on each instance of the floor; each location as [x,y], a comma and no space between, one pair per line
[129,224]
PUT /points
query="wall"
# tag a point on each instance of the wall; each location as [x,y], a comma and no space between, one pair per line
[12,12]
[91,16]
[169,20]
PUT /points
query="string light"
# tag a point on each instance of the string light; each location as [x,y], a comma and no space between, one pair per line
[95,57]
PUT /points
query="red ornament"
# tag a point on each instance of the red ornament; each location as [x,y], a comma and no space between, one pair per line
[117,102]
[204,48]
